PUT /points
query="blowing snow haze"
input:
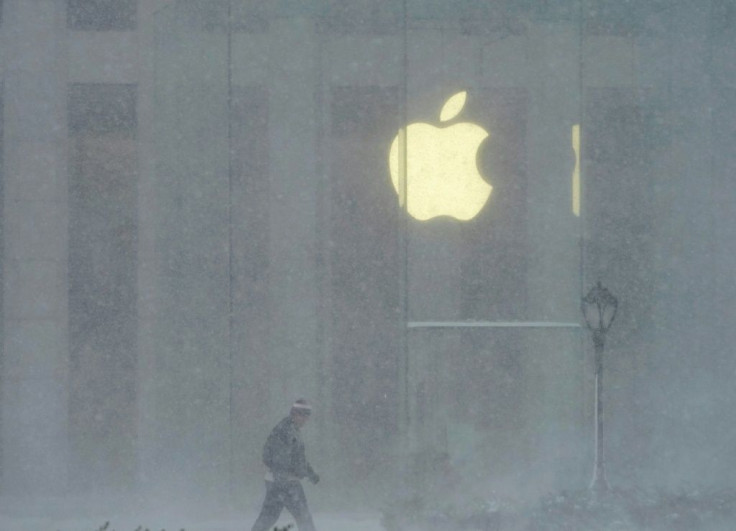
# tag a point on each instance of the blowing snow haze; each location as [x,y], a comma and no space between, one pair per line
[204,219]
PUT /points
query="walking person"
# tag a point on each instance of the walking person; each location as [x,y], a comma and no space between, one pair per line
[287,464]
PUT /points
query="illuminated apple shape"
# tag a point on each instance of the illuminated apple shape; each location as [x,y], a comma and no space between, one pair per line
[439,165]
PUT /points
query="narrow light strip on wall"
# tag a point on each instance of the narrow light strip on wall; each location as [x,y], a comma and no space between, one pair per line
[576,170]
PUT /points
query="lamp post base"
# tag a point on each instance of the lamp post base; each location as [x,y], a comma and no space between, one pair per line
[599,487]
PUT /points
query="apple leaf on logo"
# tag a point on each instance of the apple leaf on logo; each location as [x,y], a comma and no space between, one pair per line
[453,106]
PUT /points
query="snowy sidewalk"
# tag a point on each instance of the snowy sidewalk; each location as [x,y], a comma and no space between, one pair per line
[323,522]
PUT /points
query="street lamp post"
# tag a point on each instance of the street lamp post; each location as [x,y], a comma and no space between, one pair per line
[599,309]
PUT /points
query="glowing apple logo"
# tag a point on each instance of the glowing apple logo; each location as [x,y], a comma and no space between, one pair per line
[436,166]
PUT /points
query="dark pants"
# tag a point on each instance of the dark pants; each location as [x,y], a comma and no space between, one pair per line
[289,494]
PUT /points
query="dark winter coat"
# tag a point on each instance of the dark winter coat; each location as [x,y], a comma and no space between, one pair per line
[284,453]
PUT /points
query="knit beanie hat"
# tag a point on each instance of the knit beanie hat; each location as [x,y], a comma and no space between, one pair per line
[301,407]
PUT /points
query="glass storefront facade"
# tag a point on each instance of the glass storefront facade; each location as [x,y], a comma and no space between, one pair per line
[430,333]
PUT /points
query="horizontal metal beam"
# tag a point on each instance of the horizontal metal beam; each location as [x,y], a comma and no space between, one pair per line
[490,324]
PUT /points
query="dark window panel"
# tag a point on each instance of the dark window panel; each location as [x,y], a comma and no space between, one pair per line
[364,111]
[103,172]
[492,18]
[551,10]
[724,164]
[624,134]
[485,15]
[250,279]
[101,15]
[625,19]
[494,269]
[210,16]
[250,16]
[607,17]
[376,17]
[503,26]
[213,16]
[250,155]
[363,285]
[102,108]
[488,386]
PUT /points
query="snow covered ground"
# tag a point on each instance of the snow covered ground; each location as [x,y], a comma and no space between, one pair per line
[239,522]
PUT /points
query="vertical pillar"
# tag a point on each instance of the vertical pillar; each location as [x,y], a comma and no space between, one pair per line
[35,371]
[686,196]
[188,425]
[146,273]
[292,219]
[555,376]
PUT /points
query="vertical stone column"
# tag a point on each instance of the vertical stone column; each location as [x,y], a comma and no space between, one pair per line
[146,274]
[292,219]
[187,426]
[686,195]
[361,328]
[689,182]
[35,369]
[249,214]
[555,372]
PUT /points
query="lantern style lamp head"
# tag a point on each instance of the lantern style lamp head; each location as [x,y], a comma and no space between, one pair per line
[599,308]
